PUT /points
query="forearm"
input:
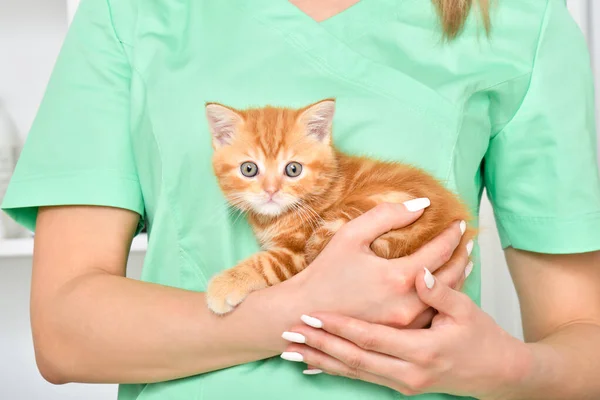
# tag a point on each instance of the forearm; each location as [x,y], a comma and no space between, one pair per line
[110,329]
[564,365]
[559,297]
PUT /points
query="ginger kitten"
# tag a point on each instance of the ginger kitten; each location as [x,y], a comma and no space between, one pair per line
[280,166]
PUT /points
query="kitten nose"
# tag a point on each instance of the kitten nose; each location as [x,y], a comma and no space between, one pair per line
[271,190]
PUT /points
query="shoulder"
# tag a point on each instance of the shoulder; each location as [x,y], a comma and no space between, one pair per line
[524,23]
[524,34]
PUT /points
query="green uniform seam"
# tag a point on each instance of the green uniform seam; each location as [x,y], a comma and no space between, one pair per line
[533,64]
[542,219]
[323,66]
[183,255]
[112,25]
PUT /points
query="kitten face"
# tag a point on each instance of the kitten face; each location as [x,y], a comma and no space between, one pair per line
[271,160]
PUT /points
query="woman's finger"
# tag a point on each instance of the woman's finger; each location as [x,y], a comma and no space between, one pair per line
[454,272]
[435,253]
[345,338]
[345,351]
[423,320]
[319,362]
[381,219]
[438,295]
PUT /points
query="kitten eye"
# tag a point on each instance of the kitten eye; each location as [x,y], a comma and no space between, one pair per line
[293,169]
[249,169]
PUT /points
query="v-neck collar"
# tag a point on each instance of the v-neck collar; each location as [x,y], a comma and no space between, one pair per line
[304,30]
[332,52]
[341,11]
[361,17]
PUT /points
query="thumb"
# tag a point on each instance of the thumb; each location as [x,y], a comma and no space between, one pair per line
[383,218]
[440,296]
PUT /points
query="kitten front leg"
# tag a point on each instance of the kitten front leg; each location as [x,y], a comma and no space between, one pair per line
[266,268]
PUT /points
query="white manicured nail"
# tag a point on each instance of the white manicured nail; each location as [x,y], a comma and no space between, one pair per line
[463,227]
[294,337]
[469,247]
[468,269]
[312,371]
[292,356]
[311,321]
[417,204]
[428,278]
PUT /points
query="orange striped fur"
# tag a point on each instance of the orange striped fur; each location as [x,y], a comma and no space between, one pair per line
[295,217]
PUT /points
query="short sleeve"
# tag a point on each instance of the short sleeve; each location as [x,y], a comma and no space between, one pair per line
[541,171]
[79,151]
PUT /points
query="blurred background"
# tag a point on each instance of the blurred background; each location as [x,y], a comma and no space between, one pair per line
[31,33]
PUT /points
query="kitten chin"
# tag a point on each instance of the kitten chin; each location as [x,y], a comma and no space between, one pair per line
[330,189]
[278,206]
[269,209]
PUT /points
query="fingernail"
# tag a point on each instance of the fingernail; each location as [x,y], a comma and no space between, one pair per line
[463,227]
[312,371]
[469,247]
[417,204]
[311,321]
[468,269]
[428,278]
[294,337]
[292,356]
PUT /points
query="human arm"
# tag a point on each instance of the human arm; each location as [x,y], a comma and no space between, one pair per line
[560,308]
[465,352]
[91,324]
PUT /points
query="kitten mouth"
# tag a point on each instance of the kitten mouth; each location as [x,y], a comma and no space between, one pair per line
[274,199]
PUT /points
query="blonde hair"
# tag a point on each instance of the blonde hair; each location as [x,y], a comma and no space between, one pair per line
[454,13]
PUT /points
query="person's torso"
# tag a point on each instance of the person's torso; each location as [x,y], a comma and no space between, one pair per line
[401,93]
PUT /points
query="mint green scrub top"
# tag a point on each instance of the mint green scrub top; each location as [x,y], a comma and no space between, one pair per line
[122,124]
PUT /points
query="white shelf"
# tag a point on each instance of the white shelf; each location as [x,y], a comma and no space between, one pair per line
[11,248]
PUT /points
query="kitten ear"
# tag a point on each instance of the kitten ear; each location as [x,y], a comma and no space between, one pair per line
[318,119]
[223,123]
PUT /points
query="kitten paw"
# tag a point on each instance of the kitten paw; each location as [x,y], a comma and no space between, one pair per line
[228,289]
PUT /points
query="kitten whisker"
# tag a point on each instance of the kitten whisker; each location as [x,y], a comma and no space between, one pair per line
[312,211]
[313,218]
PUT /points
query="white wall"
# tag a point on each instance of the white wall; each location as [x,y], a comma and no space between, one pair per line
[31,32]
[592,18]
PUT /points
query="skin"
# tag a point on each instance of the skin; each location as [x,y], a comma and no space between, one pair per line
[323,9]
[465,352]
[84,308]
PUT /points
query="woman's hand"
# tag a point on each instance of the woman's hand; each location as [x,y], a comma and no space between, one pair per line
[348,278]
[464,352]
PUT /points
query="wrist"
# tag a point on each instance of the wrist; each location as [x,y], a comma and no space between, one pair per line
[511,373]
[528,371]
[281,307]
